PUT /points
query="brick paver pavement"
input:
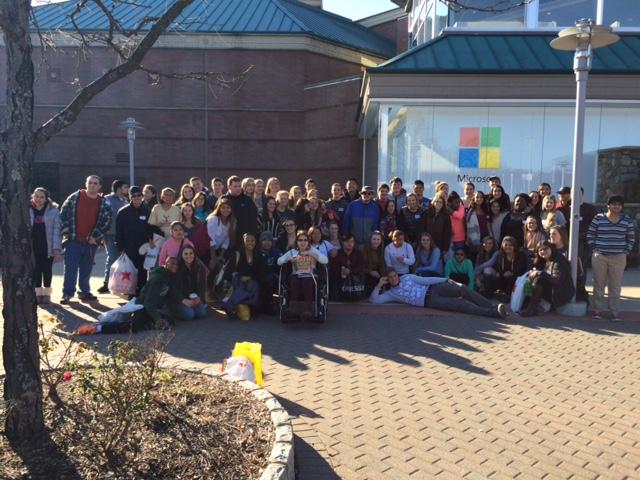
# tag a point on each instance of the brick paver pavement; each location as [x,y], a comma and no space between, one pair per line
[395,392]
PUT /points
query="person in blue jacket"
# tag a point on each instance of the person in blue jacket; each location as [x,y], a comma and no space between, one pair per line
[362,216]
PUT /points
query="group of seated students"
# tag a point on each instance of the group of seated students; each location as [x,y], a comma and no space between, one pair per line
[449,252]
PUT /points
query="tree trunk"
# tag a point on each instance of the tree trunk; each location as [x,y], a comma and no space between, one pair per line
[22,385]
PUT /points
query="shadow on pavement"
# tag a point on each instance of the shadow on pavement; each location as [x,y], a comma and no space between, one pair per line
[310,465]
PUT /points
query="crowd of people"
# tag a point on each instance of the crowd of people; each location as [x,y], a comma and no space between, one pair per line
[227,243]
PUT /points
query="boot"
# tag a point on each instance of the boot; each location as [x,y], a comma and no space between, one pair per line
[46,295]
[39,295]
[534,302]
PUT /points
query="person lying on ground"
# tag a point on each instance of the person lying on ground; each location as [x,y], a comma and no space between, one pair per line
[434,292]
[152,297]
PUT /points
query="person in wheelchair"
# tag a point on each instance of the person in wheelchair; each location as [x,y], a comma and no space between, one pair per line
[303,259]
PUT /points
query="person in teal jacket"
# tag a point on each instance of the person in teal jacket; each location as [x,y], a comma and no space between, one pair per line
[460,269]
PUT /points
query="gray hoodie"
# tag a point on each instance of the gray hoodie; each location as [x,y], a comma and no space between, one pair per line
[115,203]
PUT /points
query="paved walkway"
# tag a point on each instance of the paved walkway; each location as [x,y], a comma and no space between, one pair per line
[395,392]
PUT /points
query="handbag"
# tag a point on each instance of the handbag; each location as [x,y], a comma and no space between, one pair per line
[517,296]
[352,289]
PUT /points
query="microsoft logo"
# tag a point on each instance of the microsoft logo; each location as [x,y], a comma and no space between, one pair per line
[479,147]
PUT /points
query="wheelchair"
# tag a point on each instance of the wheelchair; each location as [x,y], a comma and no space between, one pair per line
[321,281]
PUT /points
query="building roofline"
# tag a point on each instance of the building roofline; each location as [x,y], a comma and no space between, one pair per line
[383,17]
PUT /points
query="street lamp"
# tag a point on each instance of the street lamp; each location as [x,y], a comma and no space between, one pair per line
[582,38]
[131,125]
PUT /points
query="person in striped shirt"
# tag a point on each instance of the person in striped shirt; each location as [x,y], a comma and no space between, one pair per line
[611,236]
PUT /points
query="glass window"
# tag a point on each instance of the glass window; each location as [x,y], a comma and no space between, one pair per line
[624,13]
[488,13]
[564,13]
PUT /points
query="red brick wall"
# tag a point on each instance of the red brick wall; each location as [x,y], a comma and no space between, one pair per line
[271,126]
[396,31]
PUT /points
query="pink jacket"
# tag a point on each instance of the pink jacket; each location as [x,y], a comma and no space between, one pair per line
[171,248]
[457,225]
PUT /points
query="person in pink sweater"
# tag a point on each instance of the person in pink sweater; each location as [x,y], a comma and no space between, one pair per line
[172,247]
[458,234]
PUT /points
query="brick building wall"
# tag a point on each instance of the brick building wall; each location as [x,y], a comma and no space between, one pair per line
[288,119]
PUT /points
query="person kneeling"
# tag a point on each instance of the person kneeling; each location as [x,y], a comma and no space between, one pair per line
[434,292]
[302,285]
[550,280]
[152,297]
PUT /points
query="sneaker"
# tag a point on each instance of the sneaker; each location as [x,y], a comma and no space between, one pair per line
[103,289]
[86,330]
[87,297]
[615,317]
[65,299]
[597,315]
[502,310]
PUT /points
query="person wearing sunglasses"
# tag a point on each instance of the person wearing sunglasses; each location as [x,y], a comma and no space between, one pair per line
[133,230]
[362,216]
[459,268]
[85,218]
[303,259]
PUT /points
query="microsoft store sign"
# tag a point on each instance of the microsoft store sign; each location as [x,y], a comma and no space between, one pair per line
[479,148]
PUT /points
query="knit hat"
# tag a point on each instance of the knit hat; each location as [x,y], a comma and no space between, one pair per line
[266,236]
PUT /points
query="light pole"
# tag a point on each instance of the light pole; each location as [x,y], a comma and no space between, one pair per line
[131,125]
[582,38]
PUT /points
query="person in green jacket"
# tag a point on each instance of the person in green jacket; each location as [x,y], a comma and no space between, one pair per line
[460,269]
[152,297]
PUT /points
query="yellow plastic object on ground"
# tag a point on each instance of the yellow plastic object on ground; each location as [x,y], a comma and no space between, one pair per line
[243,312]
[253,351]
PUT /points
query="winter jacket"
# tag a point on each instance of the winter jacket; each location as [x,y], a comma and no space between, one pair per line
[361,219]
[188,281]
[513,225]
[439,226]
[68,219]
[558,275]
[246,213]
[155,292]
[465,268]
[132,229]
[115,203]
[355,262]
[411,223]
[52,227]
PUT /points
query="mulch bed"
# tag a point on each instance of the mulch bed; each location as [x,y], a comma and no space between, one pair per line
[197,427]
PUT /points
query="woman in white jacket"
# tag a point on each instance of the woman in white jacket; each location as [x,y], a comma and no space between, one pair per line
[47,241]
[303,260]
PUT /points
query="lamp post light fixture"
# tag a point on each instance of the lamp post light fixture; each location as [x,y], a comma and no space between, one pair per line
[131,125]
[582,39]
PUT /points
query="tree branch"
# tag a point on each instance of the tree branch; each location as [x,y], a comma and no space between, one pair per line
[68,115]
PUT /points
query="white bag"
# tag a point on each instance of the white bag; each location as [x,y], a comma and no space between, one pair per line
[120,313]
[123,276]
[241,368]
[517,296]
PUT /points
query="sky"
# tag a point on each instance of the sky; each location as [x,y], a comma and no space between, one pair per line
[356,9]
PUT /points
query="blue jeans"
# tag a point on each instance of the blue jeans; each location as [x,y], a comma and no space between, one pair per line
[112,255]
[78,263]
[189,313]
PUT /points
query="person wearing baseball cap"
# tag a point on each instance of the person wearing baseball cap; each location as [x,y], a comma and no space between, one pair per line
[564,203]
[362,216]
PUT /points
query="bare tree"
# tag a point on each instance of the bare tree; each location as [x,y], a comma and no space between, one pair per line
[19,140]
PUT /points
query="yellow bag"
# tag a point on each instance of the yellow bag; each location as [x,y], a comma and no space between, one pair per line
[243,312]
[253,351]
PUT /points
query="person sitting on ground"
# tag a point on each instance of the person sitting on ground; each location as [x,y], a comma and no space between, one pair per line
[510,264]
[172,246]
[270,255]
[301,283]
[247,271]
[373,253]
[428,258]
[152,297]
[550,280]
[347,271]
[399,254]
[485,261]
[460,269]
[434,292]
[189,286]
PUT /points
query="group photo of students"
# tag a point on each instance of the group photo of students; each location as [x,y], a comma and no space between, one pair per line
[225,245]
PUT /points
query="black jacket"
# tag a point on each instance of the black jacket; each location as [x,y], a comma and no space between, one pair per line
[439,226]
[411,223]
[513,225]
[559,279]
[132,229]
[246,213]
